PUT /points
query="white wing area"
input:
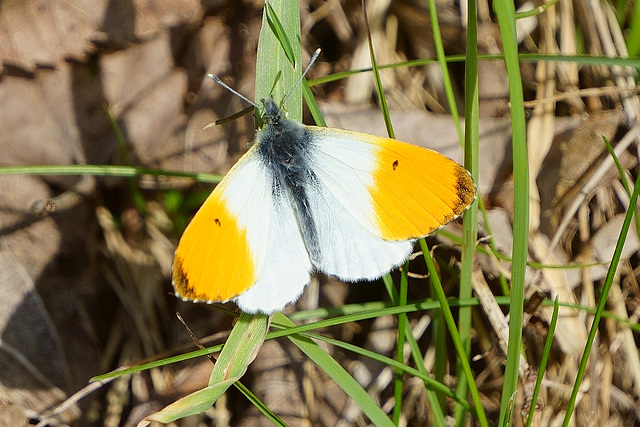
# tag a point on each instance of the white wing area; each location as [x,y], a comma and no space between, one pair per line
[343,210]
[344,168]
[275,239]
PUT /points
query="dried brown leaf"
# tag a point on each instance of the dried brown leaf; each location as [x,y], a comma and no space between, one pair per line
[45,33]
[42,33]
[35,373]
[583,149]
[54,118]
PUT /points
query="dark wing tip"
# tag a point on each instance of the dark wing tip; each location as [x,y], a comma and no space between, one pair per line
[181,281]
[466,189]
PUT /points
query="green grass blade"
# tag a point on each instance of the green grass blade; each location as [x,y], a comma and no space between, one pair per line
[582,59]
[278,65]
[506,19]
[545,358]
[536,11]
[432,395]
[633,37]
[260,405]
[241,347]
[403,322]
[470,219]
[195,403]
[453,331]
[332,368]
[376,75]
[441,362]
[430,382]
[138,198]
[104,170]
[439,46]
[623,178]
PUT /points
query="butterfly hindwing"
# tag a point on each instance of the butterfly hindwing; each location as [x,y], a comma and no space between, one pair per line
[286,269]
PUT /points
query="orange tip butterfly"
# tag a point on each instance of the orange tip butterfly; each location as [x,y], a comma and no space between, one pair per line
[308,199]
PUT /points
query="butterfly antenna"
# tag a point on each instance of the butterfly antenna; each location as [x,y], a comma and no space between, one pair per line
[306,70]
[233,91]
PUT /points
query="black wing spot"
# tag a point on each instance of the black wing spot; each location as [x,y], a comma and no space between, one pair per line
[395,164]
[217,221]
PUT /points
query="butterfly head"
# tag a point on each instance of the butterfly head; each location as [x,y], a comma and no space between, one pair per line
[273,113]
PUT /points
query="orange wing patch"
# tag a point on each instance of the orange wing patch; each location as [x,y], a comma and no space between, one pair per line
[213,261]
[416,191]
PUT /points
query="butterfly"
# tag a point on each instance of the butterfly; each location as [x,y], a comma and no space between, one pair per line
[307,199]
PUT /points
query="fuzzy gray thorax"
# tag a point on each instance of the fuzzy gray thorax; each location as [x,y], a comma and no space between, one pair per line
[285,147]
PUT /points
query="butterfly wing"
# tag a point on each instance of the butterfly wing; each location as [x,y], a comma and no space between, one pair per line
[346,248]
[384,194]
[286,269]
[243,244]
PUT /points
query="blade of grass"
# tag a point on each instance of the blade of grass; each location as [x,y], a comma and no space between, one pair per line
[470,219]
[104,170]
[376,75]
[623,178]
[505,13]
[201,401]
[278,65]
[239,350]
[241,347]
[544,359]
[338,374]
[260,405]
[353,313]
[441,362]
[531,57]
[453,331]
[538,10]
[439,45]
[418,359]
[138,198]
[403,321]
[430,382]
[633,38]
[292,53]
[195,403]
[433,396]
